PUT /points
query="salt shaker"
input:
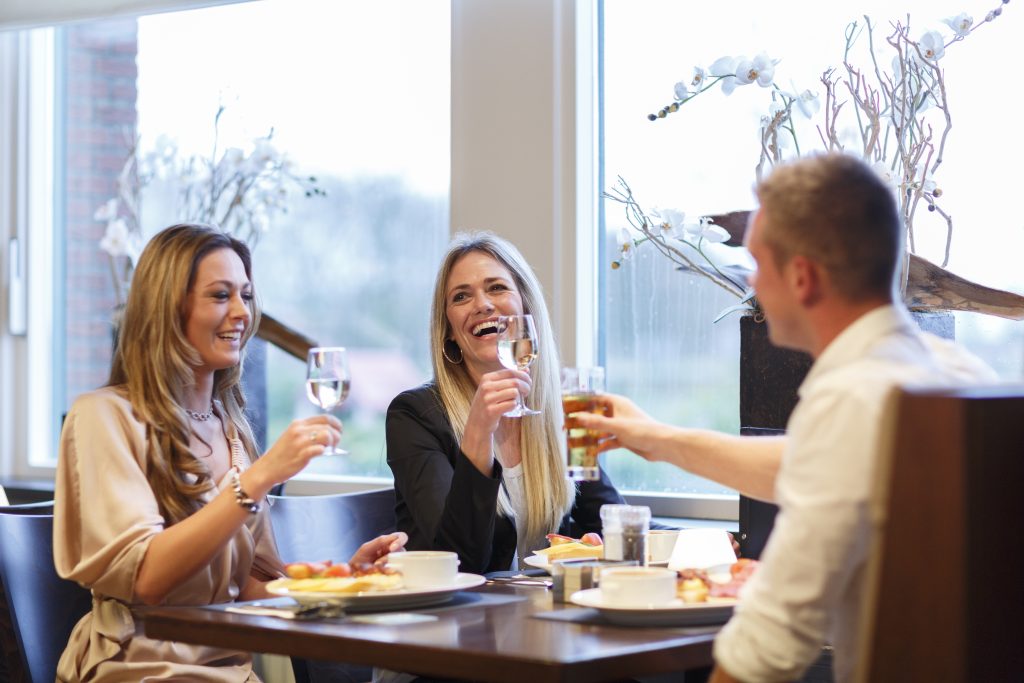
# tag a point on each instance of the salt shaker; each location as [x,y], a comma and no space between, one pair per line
[624,529]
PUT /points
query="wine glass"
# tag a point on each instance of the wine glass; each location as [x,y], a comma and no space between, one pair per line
[517,348]
[328,381]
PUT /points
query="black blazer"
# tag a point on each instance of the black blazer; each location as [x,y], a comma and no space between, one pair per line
[443,502]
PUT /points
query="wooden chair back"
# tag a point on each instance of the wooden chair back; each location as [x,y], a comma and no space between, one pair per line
[43,607]
[945,574]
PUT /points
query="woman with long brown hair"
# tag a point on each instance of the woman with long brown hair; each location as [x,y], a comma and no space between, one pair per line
[159,495]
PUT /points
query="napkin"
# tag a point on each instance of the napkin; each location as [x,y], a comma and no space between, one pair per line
[701,549]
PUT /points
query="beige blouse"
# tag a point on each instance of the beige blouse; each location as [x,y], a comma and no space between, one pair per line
[105,515]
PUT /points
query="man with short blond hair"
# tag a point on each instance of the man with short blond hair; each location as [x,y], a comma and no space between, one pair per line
[827,241]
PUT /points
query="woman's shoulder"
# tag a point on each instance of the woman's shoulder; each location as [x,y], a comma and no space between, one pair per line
[103,400]
[420,399]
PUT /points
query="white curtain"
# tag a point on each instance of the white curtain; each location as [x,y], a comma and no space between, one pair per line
[18,14]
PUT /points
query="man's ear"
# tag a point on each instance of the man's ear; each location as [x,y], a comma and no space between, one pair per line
[805,279]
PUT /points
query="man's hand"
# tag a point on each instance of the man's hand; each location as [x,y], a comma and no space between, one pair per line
[624,425]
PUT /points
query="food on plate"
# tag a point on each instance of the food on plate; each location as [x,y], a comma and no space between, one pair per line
[316,570]
[692,590]
[566,547]
[327,577]
[695,585]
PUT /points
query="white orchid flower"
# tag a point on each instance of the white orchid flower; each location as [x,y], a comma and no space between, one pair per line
[932,46]
[233,157]
[705,230]
[713,233]
[761,69]
[808,104]
[115,239]
[681,90]
[672,222]
[725,67]
[961,24]
[626,244]
[698,79]
[106,211]
[882,170]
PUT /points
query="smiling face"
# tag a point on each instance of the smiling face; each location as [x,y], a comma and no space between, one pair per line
[478,290]
[217,310]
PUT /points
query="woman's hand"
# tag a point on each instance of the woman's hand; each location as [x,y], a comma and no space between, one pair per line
[495,395]
[373,551]
[302,441]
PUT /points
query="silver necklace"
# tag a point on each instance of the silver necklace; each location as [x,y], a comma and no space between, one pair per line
[200,417]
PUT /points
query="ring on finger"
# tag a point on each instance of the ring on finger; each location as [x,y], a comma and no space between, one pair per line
[313,435]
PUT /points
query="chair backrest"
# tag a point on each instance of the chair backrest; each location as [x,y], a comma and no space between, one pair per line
[42,508]
[313,528]
[44,608]
[944,577]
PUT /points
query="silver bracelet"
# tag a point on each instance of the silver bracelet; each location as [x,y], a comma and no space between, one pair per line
[241,497]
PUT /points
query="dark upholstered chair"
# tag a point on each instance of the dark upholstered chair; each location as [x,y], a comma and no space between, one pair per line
[314,528]
[43,608]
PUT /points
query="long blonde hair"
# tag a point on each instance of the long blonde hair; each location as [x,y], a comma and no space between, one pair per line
[153,362]
[549,494]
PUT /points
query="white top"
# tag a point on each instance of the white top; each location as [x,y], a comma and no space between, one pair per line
[810,584]
[515,485]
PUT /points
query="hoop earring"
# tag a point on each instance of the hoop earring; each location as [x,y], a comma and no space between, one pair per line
[444,352]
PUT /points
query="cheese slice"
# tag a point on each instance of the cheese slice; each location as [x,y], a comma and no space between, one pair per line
[345,585]
[564,551]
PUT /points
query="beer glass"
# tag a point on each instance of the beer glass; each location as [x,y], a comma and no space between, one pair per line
[580,387]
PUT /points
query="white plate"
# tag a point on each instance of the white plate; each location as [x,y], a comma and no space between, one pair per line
[538,561]
[673,613]
[377,600]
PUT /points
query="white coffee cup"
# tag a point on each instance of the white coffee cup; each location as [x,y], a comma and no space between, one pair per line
[637,587]
[425,568]
[660,544]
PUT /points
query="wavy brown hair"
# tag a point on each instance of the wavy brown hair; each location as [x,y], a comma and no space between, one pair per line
[153,362]
[549,493]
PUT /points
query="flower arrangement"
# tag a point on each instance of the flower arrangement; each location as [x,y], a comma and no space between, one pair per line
[240,191]
[895,115]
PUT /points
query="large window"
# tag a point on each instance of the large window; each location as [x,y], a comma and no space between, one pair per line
[357,96]
[660,345]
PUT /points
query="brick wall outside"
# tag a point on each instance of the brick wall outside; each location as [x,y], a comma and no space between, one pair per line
[100,92]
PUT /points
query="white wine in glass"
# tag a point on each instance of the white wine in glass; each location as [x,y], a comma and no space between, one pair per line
[517,349]
[328,382]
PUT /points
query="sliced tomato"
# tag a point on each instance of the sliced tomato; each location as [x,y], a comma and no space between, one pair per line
[592,539]
[559,539]
[340,569]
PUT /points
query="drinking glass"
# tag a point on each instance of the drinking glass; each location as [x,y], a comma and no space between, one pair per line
[580,387]
[328,381]
[517,348]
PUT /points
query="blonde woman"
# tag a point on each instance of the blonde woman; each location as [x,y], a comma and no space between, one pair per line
[159,499]
[468,479]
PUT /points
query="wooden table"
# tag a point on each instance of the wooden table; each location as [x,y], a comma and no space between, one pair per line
[479,641]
